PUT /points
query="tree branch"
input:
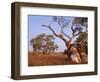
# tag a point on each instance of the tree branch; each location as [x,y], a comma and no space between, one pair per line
[77,34]
[72,28]
[73,31]
[56,34]
[62,27]
[51,29]
[66,35]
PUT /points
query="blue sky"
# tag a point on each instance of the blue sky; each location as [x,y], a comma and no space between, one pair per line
[35,27]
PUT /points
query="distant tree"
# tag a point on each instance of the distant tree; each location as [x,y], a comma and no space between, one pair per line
[51,46]
[44,43]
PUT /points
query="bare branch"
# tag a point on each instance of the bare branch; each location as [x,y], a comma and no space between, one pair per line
[66,35]
[62,27]
[60,36]
[77,34]
[72,28]
[51,29]
[59,24]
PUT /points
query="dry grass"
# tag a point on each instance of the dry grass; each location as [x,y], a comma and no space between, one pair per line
[57,58]
[50,59]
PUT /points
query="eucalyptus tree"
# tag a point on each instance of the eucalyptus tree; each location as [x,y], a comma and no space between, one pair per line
[43,43]
[78,26]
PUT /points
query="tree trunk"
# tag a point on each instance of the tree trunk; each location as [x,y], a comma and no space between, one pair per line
[73,50]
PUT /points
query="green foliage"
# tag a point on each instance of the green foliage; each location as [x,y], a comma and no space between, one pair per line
[83,41]
[82,37]
[81,20]
[62,22]
[43,43]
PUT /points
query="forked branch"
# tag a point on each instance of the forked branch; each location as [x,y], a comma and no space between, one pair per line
[57,35]
[50,29]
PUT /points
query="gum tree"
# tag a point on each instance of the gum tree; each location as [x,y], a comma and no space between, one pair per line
[44,43]
[79,25]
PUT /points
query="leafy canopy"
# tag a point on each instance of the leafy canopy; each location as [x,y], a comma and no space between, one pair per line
[44,43]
